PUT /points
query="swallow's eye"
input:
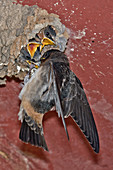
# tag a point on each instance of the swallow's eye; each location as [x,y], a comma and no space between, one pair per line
[47,34]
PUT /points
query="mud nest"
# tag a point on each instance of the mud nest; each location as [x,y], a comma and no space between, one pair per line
[18,25]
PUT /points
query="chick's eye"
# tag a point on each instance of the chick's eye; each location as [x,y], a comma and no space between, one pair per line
[47,34]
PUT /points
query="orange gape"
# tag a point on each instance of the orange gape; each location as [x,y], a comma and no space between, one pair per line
[46,41]
[32,47]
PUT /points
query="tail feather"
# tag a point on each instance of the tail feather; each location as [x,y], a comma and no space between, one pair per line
[28,135]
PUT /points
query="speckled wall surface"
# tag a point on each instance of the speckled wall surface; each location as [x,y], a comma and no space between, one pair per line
[91,60]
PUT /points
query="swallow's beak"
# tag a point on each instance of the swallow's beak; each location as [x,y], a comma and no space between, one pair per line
[32,47]
[46,41]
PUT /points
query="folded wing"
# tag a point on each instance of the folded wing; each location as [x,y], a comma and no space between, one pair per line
[72,101]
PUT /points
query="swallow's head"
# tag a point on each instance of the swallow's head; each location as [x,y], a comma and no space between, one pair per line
[52,38]
[47,36]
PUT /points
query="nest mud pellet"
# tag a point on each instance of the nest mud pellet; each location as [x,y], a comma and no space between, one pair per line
[18,24]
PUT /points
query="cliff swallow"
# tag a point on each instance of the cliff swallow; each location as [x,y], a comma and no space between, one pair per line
[54,85]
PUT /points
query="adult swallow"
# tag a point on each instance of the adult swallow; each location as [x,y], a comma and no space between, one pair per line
[54,85]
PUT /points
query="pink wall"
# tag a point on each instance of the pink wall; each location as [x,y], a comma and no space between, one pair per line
[91,59]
